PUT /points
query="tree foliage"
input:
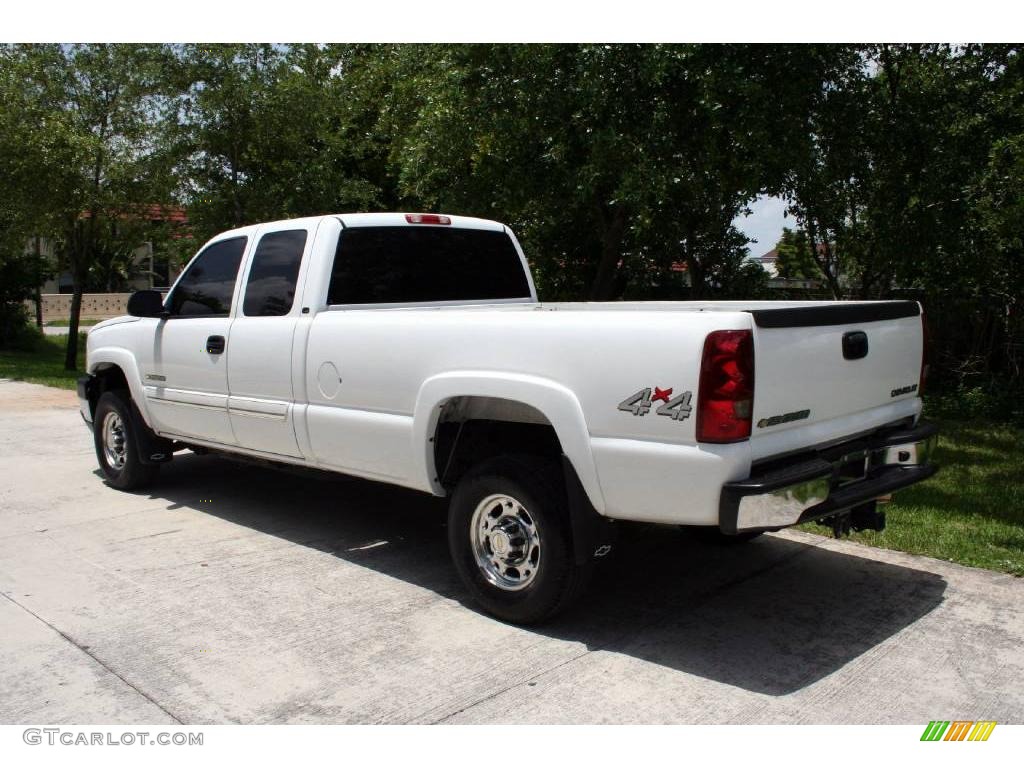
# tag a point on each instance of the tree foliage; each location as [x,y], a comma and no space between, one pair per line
[621,167]
[794,260]
[87,113]
[261,132]
[615,162]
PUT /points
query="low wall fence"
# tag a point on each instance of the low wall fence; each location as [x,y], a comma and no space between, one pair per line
[57,306]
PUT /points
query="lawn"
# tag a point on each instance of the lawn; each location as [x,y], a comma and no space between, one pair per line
[44,365]
[971,512]
[83,322]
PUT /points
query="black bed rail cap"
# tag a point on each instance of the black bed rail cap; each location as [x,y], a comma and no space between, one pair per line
[834,314]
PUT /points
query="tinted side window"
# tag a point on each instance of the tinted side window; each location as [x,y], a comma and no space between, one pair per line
[388,265]
[270,289]
[208,285]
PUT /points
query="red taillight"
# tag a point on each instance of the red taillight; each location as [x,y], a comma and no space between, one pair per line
[726,397]
[427,218]
[924,355]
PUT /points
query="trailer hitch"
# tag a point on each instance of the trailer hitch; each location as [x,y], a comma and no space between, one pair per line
[863,517]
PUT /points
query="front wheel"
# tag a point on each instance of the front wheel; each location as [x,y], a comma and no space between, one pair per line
[116,439]
[509,536]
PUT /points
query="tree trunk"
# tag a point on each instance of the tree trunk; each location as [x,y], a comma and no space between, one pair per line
[698,280]
[824,264]
[38,293]
[694,269]
[81,241]
[865,285]
[611,253]
[71,351]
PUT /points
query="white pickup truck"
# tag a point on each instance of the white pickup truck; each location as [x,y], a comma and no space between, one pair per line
[411,349]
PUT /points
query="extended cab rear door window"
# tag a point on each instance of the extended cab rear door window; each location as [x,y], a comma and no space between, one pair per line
[270,289]
[207,287]
[411,264]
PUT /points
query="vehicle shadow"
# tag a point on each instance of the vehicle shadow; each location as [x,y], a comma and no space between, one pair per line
[771,616]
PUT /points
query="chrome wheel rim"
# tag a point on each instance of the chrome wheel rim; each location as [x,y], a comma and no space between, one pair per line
[114,441]
[506,542]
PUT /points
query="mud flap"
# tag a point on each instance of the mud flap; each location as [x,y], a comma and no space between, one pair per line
[152,448]
[593,535]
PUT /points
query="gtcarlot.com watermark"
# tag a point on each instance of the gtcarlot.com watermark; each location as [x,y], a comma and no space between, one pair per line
[72,738]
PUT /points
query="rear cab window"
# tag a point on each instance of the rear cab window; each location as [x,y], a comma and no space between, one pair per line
[274,274]
[423,264]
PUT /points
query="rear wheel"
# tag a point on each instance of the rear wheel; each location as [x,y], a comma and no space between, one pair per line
[115,435]
[509,536]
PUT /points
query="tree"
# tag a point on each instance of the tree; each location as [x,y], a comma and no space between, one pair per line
[826,163]
[794,258]
[95,105]
[26,156]
[261,132]
[608,159]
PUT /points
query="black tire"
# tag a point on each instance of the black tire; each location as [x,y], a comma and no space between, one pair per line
[127,472]
[557,581]
[712,535]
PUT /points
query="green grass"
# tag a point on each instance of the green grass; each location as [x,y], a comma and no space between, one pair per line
[64,322]
[972,511]
[44,365]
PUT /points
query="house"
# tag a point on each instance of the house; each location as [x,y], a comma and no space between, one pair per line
[151,269]
[768,262]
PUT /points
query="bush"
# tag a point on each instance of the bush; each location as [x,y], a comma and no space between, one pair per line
[15,331]
[28,338]
[18,277]
[998,399]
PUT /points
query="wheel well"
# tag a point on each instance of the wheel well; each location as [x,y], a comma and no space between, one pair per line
[108,377]
[473,429]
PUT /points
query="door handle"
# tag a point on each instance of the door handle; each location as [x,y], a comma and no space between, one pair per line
[215,345]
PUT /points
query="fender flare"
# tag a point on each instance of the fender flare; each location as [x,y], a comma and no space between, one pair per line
[556,402]
[125,360]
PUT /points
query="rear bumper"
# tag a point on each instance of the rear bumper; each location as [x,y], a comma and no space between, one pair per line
[783,493]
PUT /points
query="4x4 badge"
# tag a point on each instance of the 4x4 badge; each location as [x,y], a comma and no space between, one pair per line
[676,408]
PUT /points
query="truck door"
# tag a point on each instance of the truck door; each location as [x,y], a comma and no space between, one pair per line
[185,374]
[261,401]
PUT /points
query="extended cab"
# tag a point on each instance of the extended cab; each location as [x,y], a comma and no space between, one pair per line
[411,349]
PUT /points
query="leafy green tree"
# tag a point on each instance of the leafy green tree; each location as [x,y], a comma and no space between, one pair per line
[94,105]
[606,158]
[996,195]
[887,175]
[261,132]
[794,259]
[826,163]
[26,154]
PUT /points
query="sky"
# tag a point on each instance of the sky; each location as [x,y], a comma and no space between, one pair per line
[764,224]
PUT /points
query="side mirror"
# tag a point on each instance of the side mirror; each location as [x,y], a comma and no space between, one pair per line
[146,304]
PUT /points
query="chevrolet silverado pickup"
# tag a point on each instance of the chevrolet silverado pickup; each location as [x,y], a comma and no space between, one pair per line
[412,349]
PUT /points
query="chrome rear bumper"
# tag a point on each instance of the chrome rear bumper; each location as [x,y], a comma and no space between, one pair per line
[783,493]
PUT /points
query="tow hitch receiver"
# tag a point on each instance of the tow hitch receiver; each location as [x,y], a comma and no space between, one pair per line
[864,517]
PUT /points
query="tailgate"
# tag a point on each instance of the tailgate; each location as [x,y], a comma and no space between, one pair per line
[824,372]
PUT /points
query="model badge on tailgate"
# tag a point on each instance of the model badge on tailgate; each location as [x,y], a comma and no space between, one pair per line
[903,390]
[783,418]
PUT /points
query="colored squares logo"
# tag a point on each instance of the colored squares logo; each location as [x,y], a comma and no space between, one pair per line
[958,730]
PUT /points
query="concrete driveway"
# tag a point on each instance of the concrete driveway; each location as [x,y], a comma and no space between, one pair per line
[235,593]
